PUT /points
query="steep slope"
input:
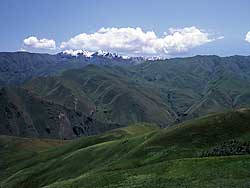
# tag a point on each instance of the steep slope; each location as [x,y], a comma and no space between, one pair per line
[227,92]
[199,85]
[106,92]
[61,91]
[25,114]
[183,87]
[164,92]
[148,158]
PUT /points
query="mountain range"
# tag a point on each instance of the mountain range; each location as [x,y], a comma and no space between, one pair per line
[106,91]
[17,67]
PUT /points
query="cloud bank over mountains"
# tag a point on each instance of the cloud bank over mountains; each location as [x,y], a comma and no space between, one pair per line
[134,41]
[130,41]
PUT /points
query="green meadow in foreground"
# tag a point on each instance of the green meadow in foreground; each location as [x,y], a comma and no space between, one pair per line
[140,155]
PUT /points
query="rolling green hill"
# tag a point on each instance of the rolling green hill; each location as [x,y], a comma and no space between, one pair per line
[143,156]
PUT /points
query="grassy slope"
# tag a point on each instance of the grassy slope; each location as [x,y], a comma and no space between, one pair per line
[15,150]
[61,91]
[109,91]
[142,156]
[198,85]
[163,92]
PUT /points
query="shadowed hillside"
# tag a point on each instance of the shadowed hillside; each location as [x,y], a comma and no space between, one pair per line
[24,114]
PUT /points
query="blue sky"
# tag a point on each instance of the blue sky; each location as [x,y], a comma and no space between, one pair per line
[219,26]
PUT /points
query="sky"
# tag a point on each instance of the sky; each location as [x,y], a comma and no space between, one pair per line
[168,28]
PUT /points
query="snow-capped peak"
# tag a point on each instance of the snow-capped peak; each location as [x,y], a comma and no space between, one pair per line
[87,53]
[78,52]
[125,57]
[155,58]
[109,55]
[102,53]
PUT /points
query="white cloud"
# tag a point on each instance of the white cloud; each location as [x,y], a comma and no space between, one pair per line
[34,42]
[220,37]
[248,37]
[22,50]
[135,41]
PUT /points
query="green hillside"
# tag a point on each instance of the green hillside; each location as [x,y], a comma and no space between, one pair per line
[163,92]
[144,156]
[199,85]
[98,98]
[108,92]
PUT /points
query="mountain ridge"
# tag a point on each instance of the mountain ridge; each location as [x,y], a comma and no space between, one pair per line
[17,67]
[164,92]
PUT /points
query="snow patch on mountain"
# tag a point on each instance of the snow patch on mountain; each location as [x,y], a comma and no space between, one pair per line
[109,55]
[78,52]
